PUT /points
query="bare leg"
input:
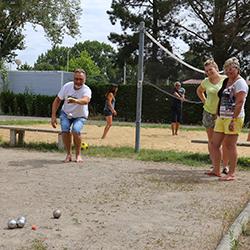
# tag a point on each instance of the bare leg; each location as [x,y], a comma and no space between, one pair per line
[77,142]
[248,136]
[216,152]
[225,159]
[231,147]
[210,132]
[109,120]
[173,124]
[177,125]
[67,143]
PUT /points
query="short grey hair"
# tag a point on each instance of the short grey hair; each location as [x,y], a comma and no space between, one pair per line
[233,61]
[80,71]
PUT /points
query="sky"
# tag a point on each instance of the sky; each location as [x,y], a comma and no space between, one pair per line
[94,25]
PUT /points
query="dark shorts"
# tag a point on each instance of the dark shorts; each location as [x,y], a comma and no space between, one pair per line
[107,112]
[176,114]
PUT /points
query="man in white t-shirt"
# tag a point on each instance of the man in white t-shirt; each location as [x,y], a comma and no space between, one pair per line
[74,113]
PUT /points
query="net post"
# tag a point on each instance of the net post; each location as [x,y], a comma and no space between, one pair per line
[139,86]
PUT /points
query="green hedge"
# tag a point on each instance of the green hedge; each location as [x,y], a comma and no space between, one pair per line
[155,104]
[25,104]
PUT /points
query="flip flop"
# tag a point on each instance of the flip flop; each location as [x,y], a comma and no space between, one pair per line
[227,178]
[212,174]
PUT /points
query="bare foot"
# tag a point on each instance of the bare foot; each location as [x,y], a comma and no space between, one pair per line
[79,158]
[68,158]
[227,178]
[212,173]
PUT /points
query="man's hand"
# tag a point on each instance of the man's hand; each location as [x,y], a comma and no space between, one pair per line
[53,122]
[71,100]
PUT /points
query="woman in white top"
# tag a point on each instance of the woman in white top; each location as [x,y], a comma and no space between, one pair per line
[230,117]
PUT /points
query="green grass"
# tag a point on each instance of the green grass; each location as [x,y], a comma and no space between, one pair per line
[36,245]
[184,158]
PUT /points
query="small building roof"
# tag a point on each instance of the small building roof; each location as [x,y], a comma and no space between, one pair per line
[192,81]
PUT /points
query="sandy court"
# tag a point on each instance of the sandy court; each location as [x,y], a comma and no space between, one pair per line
[113,203]
[151,138]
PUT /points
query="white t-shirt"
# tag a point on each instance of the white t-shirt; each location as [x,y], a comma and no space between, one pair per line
[76,110]
[227,105]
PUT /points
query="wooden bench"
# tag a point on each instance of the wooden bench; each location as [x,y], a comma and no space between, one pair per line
[243,144]
[17,134]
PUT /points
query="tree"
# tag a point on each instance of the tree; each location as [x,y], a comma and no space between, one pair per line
[219,28]
[3,76]
[26,67]
[102,54]
[57,17]
[156,15]
[85,62]
[211,28]
[53,59]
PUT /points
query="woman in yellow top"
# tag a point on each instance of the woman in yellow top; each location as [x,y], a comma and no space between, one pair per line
[208,94]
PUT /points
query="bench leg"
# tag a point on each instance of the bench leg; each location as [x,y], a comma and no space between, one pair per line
[20,140]
[12,137]
[60,141]
[16,136]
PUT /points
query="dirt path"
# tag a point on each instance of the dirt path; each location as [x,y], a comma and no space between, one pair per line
[113,203]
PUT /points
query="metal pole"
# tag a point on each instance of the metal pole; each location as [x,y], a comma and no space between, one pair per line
[124,73]
[139,87]
[68,61]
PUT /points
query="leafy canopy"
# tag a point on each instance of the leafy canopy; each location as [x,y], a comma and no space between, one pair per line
[57,17]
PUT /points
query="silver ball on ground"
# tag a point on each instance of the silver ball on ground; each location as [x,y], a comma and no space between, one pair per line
[21,218]
[21,221]
[57,214]
[12,224]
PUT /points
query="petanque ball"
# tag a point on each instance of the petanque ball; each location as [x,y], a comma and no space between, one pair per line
[70,116]
[21,221]
[57,214]
[84,146]
[12,224]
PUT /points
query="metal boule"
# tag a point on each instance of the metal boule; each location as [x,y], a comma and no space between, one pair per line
[57,214]
[21,218]
[21,222]
[12,224]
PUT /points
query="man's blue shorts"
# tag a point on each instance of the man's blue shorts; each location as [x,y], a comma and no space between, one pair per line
[76,123]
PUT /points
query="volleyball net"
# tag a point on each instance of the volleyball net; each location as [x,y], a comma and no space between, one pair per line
[178,60]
